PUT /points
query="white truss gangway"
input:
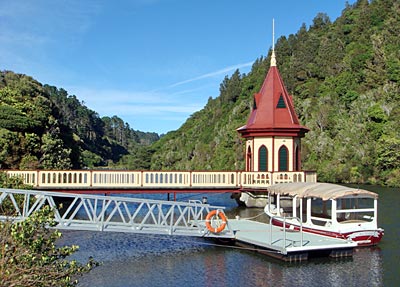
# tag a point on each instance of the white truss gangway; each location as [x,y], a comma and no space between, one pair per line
[116,214]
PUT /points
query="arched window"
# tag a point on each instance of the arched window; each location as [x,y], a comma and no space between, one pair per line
[248,159]
[283,158]
[263,158]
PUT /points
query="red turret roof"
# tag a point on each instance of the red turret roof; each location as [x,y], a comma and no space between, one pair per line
[273,113]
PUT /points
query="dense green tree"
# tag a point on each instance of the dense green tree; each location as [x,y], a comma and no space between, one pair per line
[230,89]
[54,155]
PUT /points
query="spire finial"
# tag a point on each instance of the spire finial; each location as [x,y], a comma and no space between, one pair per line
[273,58]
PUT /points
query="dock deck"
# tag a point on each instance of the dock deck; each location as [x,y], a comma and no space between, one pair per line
[287,245]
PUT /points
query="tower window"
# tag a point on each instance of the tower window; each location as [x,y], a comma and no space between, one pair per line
[283,158]
[262,159]
[281,103]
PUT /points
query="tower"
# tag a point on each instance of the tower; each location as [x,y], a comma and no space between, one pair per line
[273,132]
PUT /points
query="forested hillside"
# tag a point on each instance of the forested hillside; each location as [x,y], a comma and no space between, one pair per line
[345,79]
[43,127]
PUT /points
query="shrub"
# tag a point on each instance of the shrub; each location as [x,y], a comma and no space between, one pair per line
[30,257]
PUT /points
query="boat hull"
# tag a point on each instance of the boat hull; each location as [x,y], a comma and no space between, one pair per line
[253,200]
[362,237]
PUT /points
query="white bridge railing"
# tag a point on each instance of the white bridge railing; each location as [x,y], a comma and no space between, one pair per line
[109,213]
[101,179]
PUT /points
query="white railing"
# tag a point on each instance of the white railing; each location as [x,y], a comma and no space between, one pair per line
[259,179]
[285,241]
[103,179]
[217,179]
[115,214]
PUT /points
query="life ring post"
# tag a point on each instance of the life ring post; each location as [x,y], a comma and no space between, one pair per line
[216,221]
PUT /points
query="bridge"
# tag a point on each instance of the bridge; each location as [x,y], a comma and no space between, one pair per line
[125,181]
[111,213]
[194,218]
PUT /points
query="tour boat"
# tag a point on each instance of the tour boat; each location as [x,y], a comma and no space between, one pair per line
[326,209]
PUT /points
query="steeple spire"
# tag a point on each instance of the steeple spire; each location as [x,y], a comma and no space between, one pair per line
[273,58]
[273,113]
[273,132]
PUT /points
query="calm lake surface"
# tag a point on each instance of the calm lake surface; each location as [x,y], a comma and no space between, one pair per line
[153,260]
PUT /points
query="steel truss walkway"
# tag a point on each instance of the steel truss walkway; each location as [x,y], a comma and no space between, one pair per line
[117,214]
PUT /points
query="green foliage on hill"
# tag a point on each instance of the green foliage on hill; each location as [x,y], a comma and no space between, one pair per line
[44,127]
[345,80]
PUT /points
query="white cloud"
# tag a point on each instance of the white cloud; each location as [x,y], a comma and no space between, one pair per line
[110,102]
[212,74]
[163,103]
[154,109]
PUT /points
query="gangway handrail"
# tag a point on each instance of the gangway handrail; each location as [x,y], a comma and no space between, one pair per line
[114,213]
[284,218]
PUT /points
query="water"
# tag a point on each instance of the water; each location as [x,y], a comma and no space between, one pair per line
[153,260]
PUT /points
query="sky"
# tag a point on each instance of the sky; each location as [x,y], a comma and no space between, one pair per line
[152,63]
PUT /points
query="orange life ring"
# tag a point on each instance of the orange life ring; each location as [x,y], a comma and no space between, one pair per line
[211,217]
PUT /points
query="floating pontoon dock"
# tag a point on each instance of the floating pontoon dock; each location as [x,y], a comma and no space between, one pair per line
[287,244]
[133,215]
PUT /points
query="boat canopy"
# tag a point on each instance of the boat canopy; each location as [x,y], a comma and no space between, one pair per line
[321,190]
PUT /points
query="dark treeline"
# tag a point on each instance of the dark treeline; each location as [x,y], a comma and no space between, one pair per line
[344,77]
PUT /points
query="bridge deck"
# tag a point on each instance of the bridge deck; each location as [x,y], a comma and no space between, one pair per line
[140,190]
